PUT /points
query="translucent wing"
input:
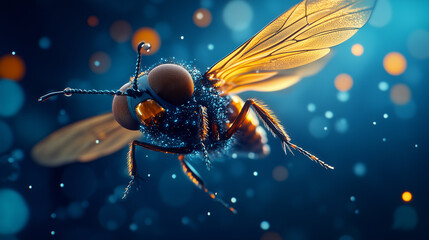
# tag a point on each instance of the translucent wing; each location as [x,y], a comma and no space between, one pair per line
[78,141]
[300,36]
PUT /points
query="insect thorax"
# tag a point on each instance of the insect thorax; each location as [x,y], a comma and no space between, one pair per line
[180,126]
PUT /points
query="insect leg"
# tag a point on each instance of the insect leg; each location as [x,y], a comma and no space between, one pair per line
[273,125]
[203,128]
[192,174]
[132,166]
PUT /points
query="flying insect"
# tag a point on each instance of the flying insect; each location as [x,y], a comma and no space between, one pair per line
[177,109]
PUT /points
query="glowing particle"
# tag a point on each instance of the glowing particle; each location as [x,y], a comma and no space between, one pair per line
[311,107]
[237,15]
[30,187]
[383,86]
[251,155]
[382,14]
[416,145]
[407,196]
[61,185]
[173,176]
[359,169]
[210,46]
[44,43]
[325,128]
[182,37]
[255,173]
[99,62]
[233,200]
[97,141]
[92,21]
[53,215]
[384,139]
[133,227]
[352,198]
[385,115]
[208,213]
[343,96]
[12,99]
[148,175]
[265,225]
[400,94]
[13,53]
[374,123]
[356,211]
[14,213]
[343,82]
[357,49]
[394,63]
[329,114]
[52,233]
[234,155]
[202,17]
[148,35]
[341,125]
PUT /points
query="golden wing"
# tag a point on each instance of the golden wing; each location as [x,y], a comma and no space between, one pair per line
[78,141]
[300,36]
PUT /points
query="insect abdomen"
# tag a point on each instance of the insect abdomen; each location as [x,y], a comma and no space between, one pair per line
[250,137]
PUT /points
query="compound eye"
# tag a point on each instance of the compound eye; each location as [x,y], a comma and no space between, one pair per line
[149,112]
[172,83]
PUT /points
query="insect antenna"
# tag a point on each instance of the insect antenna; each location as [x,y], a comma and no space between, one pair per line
[133,92]
[139,58]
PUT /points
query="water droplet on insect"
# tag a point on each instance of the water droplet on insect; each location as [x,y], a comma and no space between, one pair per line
[61,185]
[255,173]
[67,94]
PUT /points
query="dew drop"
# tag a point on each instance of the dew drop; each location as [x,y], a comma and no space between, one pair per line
[67,94]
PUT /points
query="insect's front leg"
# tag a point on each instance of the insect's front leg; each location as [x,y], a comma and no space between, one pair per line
[132,166]
[273,125]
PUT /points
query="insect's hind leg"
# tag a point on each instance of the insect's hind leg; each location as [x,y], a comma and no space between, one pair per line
[192,174]
[131,159]
[273,125]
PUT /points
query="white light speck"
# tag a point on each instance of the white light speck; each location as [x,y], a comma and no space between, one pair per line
[182,37]
[233,200]
[13,53]
[374,123]
[199,15]
[30,187]
[234,155]
[357,211]
[255,173]
[383,86]
[352,198]
[384,139]
[416,145]
[210,46]
[386,115]
[148,175]
[52,233]
[208,213]
[173,176]
[265,225]
[325,128]
[311,107]
[61,185]
[97,141]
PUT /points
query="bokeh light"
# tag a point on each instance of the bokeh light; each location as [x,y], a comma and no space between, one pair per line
[359,169]
[112,216]
[406,111]
[418,44]
[82,187]
[382,14]
[237,15]
[148,35]
[319,127]
[280,173]
[341,125]
[92,21]
[99,62]
[395,63]
[400,94]
[383,86]
[120,31]
[405,218]
[12,67]
[175,192]
[14,212]
[202,17]
[11,98]
[343,82]
[265,225]
[357,49]
[343,96]
[44,43]
[311,107]
[407,196]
